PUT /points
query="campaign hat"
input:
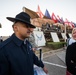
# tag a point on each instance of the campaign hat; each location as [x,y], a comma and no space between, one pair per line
[22,17]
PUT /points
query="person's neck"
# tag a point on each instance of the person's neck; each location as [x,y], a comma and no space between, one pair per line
[18,36]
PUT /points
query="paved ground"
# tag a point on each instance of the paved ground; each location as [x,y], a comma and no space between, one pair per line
[55,61]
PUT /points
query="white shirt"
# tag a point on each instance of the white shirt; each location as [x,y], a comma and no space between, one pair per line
[71,41]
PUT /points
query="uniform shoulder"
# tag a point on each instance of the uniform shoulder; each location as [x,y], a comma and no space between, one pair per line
[74,44]
[4,43]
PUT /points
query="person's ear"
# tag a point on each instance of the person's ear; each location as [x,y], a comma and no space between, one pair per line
[16,28]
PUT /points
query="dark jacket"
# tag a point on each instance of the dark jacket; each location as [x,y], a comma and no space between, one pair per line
[71,58]
[17,58]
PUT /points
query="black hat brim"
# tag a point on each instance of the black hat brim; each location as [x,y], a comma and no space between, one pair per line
[17,19]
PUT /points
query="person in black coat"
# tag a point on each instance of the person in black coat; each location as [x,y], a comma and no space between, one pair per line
[71,58]
[16,55]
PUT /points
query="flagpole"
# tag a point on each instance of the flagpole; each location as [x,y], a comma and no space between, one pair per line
[65,33]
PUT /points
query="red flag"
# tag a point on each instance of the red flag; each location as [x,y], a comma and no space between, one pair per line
[54,18]
[39,12]
[66,22]
[71,24]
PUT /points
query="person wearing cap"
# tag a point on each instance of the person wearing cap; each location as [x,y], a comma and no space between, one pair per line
[16,55]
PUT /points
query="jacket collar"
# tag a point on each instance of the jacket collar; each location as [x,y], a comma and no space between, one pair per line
[16,40]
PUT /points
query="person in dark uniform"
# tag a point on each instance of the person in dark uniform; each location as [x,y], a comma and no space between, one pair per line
[16,56]
[71,59]
[70,54]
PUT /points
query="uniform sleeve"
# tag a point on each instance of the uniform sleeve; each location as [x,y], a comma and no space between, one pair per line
[3,64]
[37,61]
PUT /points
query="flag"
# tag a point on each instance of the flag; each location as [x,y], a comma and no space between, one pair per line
[69,23]
[66,22]
[60,20]
[39,12]
[54,18]
[72,24]
[47,14]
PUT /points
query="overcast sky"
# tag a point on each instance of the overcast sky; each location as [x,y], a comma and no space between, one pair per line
[9,8]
